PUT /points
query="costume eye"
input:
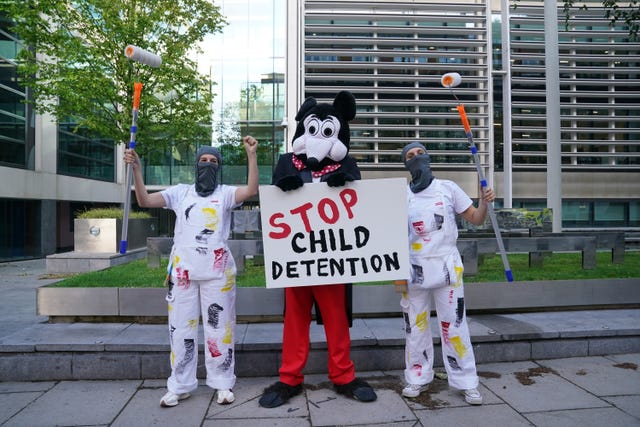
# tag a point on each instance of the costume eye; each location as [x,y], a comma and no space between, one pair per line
[312,125]
[328,128]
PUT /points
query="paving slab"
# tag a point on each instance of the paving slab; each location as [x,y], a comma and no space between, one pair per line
[440,395]
[626,358]
[66,336]
[144,410]
[533,387]
[627,404]
[481,416]
[248,391]
[479,331]
[518,327]
[260,422]
[387,330]
[327,408]
[602,376]
[72,403]
[596,417]
[262,336]
[12,403]
[581,323]
[138,337]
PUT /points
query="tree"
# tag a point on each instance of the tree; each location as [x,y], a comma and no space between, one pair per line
[74,64]
[630,15]
[614,10]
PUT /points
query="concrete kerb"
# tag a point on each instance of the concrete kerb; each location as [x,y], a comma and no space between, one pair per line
[260,304]
[133,351]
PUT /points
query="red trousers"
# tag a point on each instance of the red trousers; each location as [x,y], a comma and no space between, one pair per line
[295,340]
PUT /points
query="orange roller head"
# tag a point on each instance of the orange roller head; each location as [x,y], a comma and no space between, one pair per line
[451,80]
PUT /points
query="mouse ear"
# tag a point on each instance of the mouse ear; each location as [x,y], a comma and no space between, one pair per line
[345,104]
[308,104]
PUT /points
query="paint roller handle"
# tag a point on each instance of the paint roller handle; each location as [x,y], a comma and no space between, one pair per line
[137,91]
[483,184]
[463,117]
[400,286]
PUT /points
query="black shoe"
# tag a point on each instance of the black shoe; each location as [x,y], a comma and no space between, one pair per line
[357,389]
[278,394]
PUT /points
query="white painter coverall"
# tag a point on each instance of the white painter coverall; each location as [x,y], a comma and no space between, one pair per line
[203,281]
[436,270]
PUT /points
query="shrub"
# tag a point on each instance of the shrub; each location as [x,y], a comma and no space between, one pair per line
[110,212]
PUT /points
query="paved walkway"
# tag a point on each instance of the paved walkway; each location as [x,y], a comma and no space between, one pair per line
[586,391]
[600,389]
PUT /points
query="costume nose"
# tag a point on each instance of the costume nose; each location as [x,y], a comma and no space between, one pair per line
[313,163]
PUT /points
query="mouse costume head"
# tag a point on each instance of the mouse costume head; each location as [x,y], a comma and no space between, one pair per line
[419,166]
[322,133]
[207,172]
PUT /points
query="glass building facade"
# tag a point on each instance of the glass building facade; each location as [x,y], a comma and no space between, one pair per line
[247,62]
[17,131]
[19,231]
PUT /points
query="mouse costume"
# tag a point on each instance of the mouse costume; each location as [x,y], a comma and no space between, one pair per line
[320,154]
[320,146]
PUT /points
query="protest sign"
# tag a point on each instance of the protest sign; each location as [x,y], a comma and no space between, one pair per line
[318,235]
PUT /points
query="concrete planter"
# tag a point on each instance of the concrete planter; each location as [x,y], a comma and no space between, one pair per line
[104,234]
[256,304]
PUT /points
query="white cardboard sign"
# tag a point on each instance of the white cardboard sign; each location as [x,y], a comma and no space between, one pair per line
[319,235]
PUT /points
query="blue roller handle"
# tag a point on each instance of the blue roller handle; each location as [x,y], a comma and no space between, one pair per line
[127,205]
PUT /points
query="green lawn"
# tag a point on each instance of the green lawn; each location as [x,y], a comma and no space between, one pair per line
[559,266]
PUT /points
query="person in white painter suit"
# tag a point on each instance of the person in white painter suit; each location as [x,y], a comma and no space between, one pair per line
[436,270]
[202,269]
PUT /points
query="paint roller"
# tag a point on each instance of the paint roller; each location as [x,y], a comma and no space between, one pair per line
[142,56]
[451,80]
[135,54]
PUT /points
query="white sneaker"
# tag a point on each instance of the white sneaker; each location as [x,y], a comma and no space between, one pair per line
[473,396]
[171,399]
[414,390]
[225,397]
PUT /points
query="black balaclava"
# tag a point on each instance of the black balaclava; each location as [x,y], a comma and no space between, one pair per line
[207,172]
[419,166]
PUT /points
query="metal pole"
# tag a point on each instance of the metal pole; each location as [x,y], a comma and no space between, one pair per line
[554,150]
[506,107]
